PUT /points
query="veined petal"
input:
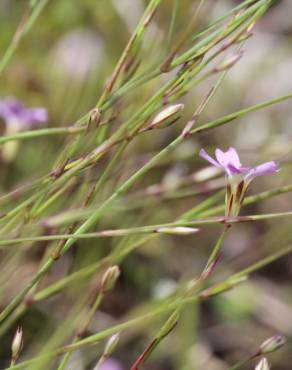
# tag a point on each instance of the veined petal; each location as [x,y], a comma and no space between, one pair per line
[264,169]
[205,155]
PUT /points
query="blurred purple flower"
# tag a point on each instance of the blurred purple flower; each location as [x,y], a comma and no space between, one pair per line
[230,163]
[111,364]
[15,114]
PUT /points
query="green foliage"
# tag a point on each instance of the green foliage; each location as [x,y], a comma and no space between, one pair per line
[101,185]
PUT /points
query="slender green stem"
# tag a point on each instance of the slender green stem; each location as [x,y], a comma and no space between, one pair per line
[27,22]
[124,187]
[26,135]
[148,229]
[216,289]
[203,46]
[231,117]
[242,363]
[222,18]
[215,253]
[137,34]
[19,297]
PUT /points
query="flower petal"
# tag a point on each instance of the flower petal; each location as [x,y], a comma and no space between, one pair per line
[205,155]
[230,157]
[264,169]
[238,170]
[220,156]
[12,110]
[9,108]
[111,364]
[36,116]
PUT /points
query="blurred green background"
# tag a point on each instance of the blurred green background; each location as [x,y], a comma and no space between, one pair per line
[62,64]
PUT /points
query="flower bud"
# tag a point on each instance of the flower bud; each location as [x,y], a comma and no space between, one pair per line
[263,365]
[250,28]
[109,278]
[179,230]
[169,325]
[111,344]
[167,115]
[208,270]
[229,62]
[94,117]
[17,344]
[272,344]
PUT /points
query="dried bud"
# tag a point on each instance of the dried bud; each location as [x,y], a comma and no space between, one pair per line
[272,344]
[208,270]
[17,344]
[179,230]
[94,117]
[109,278]
[229,62]
[166,116]
[263,365]
[111,344]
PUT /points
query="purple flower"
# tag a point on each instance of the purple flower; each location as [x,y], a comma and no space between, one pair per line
[230,163]
[15,114]
[239,177]
[111,364]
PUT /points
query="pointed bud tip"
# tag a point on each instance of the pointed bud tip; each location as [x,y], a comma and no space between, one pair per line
[229,62]
[272,344]
[111,344]
[17,343]
[169,325]
[109,278]
[94,117]
[263,365]
[179,230]
[166,114]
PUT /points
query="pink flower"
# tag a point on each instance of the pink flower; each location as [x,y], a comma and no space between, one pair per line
[111,364]
[230,163]
[239,177]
